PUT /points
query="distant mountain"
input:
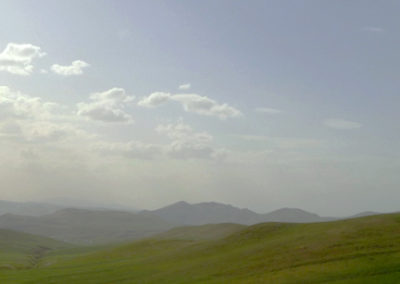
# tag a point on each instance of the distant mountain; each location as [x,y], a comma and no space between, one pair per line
[88,226]
[213,213]
[27,208]
[294,215]
[206,213]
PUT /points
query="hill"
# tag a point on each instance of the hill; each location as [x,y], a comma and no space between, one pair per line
[363,250]
[363,214]
[202,232]
[20,249]
[83,226]
[214,213]
[293,215]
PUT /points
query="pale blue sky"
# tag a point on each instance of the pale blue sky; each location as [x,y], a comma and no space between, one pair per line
[326,74]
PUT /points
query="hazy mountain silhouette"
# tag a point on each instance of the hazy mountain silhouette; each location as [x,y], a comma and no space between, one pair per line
[94,226]
[294,215]
[212,213]
[87,226]
[27,208]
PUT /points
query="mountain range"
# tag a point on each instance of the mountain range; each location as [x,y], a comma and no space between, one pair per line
[212,213]
[98,226]
[82,226]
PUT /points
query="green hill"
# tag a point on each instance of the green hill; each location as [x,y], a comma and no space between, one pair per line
[202,232]
[20,249]
[363,250]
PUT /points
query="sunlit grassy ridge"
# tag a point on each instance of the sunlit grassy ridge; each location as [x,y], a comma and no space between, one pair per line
[364,250]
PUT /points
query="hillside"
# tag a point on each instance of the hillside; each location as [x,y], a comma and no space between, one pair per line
[293,215]
[202,232]
[363,250]
[82,226]
[20,249]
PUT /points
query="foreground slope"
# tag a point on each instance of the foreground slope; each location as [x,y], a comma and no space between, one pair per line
[202,232]
[20,249]
[364,250]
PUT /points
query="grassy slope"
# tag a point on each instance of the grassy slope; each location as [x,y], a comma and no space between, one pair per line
[16,248]
[365,250]
[202,232]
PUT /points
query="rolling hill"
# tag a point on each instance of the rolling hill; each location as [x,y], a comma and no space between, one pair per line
[202,232]
[19,249]
[362,250]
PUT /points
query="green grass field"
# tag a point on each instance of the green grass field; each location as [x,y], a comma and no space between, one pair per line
[363,250]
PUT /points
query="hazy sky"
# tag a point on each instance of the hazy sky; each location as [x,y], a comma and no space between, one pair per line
[261,104]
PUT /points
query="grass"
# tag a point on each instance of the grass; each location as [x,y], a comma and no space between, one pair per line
[20,250]
[363,250]
[202,232]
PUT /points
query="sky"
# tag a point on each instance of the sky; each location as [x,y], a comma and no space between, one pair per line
[258,104]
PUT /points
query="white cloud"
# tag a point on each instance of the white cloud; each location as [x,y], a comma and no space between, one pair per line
[17,58]
[76,68]
[268,110]
[184,86]
[192,103]
[341,123]
[155,99]
[107,106]
[205,106]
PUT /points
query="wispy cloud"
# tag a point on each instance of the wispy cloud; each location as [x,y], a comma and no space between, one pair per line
[268,110]
[185,86]
[185,143]
[373,29]
[341,123]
